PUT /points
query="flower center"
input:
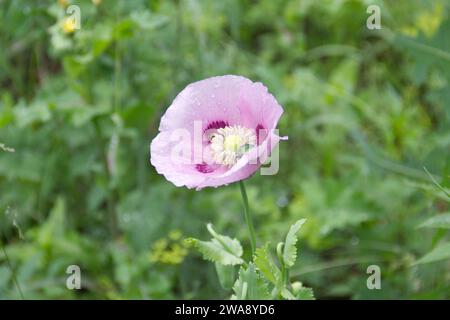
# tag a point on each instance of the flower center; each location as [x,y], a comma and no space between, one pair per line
[232,143]
[228,144]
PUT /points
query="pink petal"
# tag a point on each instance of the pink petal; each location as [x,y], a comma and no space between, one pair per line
[258,107]
[161,158]
[208,100]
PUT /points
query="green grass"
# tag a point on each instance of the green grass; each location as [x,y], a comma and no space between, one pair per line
[365,112]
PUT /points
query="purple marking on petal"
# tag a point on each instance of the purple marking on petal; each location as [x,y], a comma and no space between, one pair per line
[258,130]
[204,168]
[216,125]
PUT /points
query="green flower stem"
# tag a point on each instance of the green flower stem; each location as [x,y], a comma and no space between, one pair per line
[248,218]
[280,248]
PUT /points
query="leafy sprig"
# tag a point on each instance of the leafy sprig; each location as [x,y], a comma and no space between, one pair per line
[260,278]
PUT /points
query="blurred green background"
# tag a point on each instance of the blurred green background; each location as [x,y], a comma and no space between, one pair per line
[365,112]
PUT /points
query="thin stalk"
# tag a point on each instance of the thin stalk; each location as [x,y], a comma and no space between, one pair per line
[8,262]
[117,64]
[248,218]
[284,271]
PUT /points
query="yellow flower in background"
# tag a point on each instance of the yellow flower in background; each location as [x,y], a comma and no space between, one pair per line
[427,22]
[160,245]
[96,2]
[409,31]
[175,235]
[63,3]
[68,25]
[170,250]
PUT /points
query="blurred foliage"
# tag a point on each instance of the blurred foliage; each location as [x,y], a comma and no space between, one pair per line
[365,111]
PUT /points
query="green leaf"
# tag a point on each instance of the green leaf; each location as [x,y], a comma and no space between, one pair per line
[52,232]
[286,294]
[437,184]
[250,285]
[220,249]
[266,266]
[298,292]
[441,252]
[226,275]
[305,294]
[214,251]
[290,250]
[147,21]
[439,221]
[233,246]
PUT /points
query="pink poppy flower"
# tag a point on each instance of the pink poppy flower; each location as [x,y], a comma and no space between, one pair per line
[217,131]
